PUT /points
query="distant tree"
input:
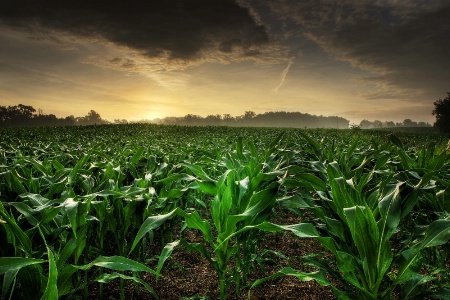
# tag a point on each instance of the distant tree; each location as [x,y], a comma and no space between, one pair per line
[91,118]
[94,117]
[120,121]
[17,115]
[26,111]
[249,114]
[423,124]
[70,120]
[191,119]
[390,124]
[365,124]
[377,124]
[409,123]
[228,119]
[213,119]
[3,114]
[442,113]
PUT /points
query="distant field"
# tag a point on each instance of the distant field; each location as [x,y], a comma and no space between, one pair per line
[409,129]
[148,211]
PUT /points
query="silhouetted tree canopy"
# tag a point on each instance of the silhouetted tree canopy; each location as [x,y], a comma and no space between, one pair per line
[24,115]
[268,119]
[442,113]
[366,124]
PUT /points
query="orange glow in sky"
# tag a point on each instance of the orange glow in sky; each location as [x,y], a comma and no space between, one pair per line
[385,60]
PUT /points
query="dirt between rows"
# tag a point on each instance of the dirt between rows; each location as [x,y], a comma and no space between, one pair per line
[187,275]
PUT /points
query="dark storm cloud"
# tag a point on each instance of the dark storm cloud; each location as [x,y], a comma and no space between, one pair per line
[404,44]
[179,29]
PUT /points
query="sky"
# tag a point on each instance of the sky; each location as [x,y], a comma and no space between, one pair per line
[358,59]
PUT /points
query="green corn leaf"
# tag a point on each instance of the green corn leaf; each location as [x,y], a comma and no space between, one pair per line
[32,277]
[302,230]
[16,263]
[26,211]
[240,148]
[49,214]
[198,171]
[165,254]
[176,177]
[395,140]
[259,201]
[413,287]
[106,193]
[437,233]
[194,221]
[18,232]
[149,224]
[65,279]
[390,211]
[66,252]
[73,173]
[252,149]
[51,290]
[57,165]
[106,278]
[37,165]
[215,213]
[318,276]
[276,141]
[349,267]
[207,187]
[335,228]
[120,263]
[315,182]
[311,142]
[14,183]
[439,293]
[137,155]
[117,263]
[7,280]
[365,233]
[36,200]
[81,242]
[71,208]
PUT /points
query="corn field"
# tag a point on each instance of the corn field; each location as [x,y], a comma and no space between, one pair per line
[84,208]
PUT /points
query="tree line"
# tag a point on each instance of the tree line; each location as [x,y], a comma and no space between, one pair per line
[26,116]
[250,118]
[366,124]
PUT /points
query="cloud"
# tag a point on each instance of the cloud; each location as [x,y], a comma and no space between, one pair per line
[174,29]
[284,74]
[404,44]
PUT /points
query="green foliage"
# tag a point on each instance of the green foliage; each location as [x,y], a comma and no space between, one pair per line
[442,112]
[86,205]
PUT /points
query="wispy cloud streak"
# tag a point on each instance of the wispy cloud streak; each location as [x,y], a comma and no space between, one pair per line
[284,74]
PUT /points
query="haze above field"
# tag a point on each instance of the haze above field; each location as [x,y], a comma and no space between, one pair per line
[380,59]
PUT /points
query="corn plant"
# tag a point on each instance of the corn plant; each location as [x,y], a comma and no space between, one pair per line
[87,205]
[243,198]
[361,215]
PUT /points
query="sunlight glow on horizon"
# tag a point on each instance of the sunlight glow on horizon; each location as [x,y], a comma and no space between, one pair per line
[273,57]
